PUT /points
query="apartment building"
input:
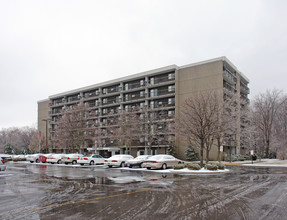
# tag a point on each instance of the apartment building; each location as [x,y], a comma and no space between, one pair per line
[163,89]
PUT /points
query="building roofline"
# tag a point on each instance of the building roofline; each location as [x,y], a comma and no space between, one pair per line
[223,58]
[44,100]
[147,73]
[110,82]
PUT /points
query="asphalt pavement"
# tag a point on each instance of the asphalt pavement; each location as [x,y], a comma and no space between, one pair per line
[39,191]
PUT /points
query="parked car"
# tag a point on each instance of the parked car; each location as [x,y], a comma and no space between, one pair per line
[55,158]
[33,158]
[71,158]
[2,164]
[118,160]
[91,160]
[43,158]
[161,161]
[137,162]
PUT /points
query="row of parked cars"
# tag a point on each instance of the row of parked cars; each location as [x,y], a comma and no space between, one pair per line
[2,164]
[120,160]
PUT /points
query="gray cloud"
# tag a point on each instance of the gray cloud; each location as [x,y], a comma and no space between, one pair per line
[48,47]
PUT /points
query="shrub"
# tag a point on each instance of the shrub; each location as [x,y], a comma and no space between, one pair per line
[193,166]
[191,154]
[178,167]
[211,166]
[220,166]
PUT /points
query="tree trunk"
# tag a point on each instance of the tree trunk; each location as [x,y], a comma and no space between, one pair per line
[218,149]
[201,152]
[267,149]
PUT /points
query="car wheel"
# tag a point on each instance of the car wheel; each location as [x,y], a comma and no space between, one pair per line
[59,162]
[163,166]
[74,162]
[92,162]
[130,166]
[31,161]
[140,165]
[52,162]
[148,168]
[66,163]
[110,166]
[37,161]
[122,164]
[82,164]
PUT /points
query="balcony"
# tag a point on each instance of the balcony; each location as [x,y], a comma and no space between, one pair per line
[229,77]
[160,79]
[244,88]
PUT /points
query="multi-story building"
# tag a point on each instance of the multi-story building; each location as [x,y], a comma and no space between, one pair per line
[163,89]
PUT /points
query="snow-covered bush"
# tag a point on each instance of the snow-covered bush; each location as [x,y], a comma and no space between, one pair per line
[193,166]
[178,167]
[211,166]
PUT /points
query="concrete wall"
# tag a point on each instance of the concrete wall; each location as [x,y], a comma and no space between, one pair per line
[43,113]
[191,80]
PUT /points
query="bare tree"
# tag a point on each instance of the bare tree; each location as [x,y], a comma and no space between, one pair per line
[265,107]
[72,128]
[280,130]
[197,120]
[225,124]
[127,129]
[19,140]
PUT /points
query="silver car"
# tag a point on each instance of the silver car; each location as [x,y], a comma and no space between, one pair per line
[118,160]
[71,158]
[161,161]
[34,158]
[137,162]
[2,164]
[91,160]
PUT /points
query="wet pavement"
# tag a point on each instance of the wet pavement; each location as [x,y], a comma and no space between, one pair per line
[38,191]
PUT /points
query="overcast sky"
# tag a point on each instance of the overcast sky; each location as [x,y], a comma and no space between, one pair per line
[49,47]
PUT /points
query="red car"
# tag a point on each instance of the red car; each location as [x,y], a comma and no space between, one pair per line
[43,158]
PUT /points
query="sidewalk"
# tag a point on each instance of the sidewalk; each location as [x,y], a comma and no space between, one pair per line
[262,162]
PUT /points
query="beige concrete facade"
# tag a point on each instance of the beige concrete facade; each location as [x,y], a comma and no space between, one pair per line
[43,114]
[169,86]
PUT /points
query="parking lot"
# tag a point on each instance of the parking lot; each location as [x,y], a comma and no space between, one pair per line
[41,191]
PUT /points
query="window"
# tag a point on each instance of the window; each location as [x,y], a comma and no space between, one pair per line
[104,90]
[170,112]
[141,93]
[126,86]
[171,88]
[152,80]
[142,82]
[153,92]
[105,111]
[171,101]
[127,97]
[105,101]
[97,102]
[171,76]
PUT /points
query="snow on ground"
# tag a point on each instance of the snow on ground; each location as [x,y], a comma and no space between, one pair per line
[184,170]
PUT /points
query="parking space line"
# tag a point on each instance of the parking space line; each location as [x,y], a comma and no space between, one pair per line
[72,203]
